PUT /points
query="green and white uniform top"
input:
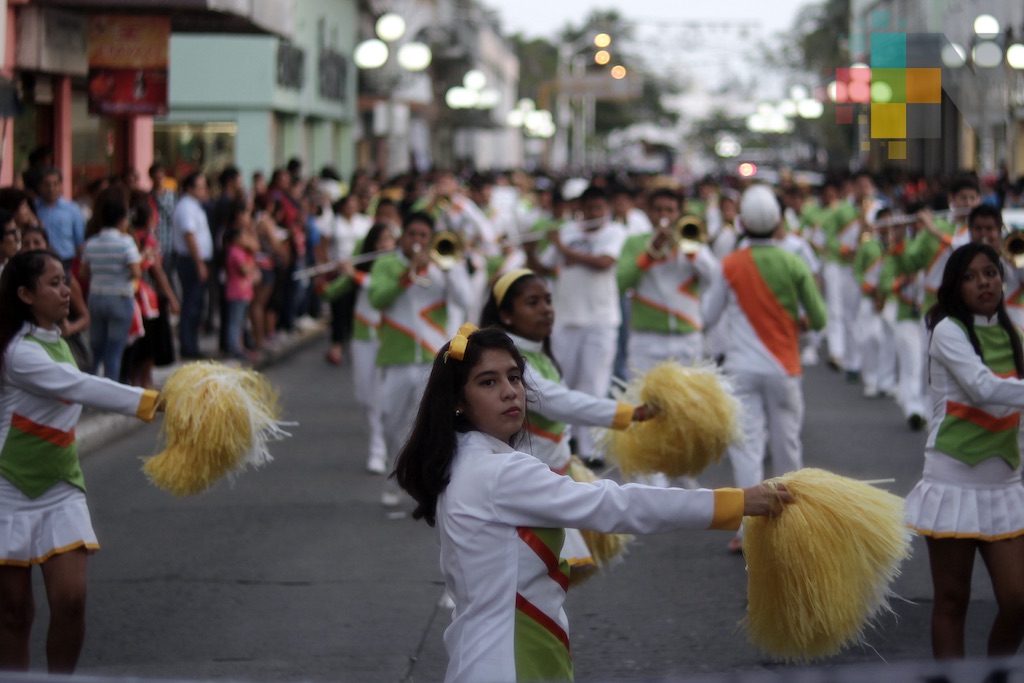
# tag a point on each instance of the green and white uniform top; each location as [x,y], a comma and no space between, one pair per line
[666,290]
[977,401]
[41,397]
[501,521]
[551,404]
[414,313]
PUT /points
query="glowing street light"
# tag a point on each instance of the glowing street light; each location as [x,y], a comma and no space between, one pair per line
[390,27]
[618,72]
[602,40]
[602,57]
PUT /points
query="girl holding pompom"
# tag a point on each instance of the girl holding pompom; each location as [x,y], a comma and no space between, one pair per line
[44,519]
[520,302]
[501,512]
[970,497]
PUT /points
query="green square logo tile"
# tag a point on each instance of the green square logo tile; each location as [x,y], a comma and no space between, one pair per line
[888,86]
[889,50]
[888,121]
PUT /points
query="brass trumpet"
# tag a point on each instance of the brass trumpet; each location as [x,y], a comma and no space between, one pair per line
[689,234]
[1013,248]
[446,249]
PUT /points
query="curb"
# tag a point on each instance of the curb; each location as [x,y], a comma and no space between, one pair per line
[96,429]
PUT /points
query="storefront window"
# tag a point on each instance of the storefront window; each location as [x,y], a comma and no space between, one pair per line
[94,153]
[187,147]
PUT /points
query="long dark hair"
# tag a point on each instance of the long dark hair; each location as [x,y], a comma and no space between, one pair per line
[950,304]
[370,244]
[423,467]
[23,270]
[491,313]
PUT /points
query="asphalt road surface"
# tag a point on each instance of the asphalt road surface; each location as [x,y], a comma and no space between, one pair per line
[296,573]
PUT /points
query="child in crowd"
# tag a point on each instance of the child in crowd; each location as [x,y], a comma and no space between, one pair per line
[970,497]
[44,518]
[241,276]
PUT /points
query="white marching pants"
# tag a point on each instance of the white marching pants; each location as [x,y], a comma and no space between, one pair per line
[401,389]
[366,378]
[586,356]
[910,355]
[647,349]
[878,353]
[835,337]
[849,292]
[773,414]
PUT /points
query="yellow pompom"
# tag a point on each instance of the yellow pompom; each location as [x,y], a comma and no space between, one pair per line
[604,548]
[217,421]
[695,423]
[821,571]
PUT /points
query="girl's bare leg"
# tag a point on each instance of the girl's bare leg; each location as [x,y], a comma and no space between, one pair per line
[65,578]
[952,561]
[17,610]
[1005,563]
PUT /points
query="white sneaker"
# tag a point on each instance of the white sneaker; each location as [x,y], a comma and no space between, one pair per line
[389,499]
[306,323]
[376,464]
[809,356]
[870,392]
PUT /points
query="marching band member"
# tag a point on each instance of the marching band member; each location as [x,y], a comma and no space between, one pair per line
[582,257]
[412,295]
[930,248]
[843,228]
[902,313]
[878,358]
[791,239]
[762,291]
[665,321]
[364,344]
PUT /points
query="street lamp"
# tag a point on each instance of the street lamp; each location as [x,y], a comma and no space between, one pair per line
[987,54]
[572,66]
[537,126]
[412,56]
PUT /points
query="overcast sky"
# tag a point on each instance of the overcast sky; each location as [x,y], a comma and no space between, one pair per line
[543,18]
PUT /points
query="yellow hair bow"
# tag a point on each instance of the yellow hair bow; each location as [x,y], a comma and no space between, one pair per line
[457,347]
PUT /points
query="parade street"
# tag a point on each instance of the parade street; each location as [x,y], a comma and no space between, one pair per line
[296,572]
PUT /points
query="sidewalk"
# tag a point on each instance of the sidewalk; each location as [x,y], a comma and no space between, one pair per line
[98,428]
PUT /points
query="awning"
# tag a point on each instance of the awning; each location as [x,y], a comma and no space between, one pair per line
[199,16]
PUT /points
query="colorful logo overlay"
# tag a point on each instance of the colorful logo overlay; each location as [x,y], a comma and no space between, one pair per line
[901,88]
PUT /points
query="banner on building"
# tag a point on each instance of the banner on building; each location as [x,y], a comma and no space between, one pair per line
[128,59]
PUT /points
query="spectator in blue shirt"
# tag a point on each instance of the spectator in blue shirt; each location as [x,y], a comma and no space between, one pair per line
[62,219]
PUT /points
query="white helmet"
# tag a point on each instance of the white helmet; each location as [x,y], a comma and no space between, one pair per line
[759,211]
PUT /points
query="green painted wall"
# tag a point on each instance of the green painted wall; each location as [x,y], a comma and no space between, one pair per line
[215,77]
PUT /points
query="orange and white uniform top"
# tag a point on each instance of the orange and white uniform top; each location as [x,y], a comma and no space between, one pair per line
[762,292]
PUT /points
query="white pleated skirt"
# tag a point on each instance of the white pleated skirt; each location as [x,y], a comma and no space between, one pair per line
[955,500]
[32,530]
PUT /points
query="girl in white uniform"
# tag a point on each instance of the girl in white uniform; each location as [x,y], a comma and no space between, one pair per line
[500,513]
[520,302]
[44,518]
[970,498]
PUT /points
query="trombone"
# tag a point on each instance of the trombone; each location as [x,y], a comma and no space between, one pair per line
[689,234]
